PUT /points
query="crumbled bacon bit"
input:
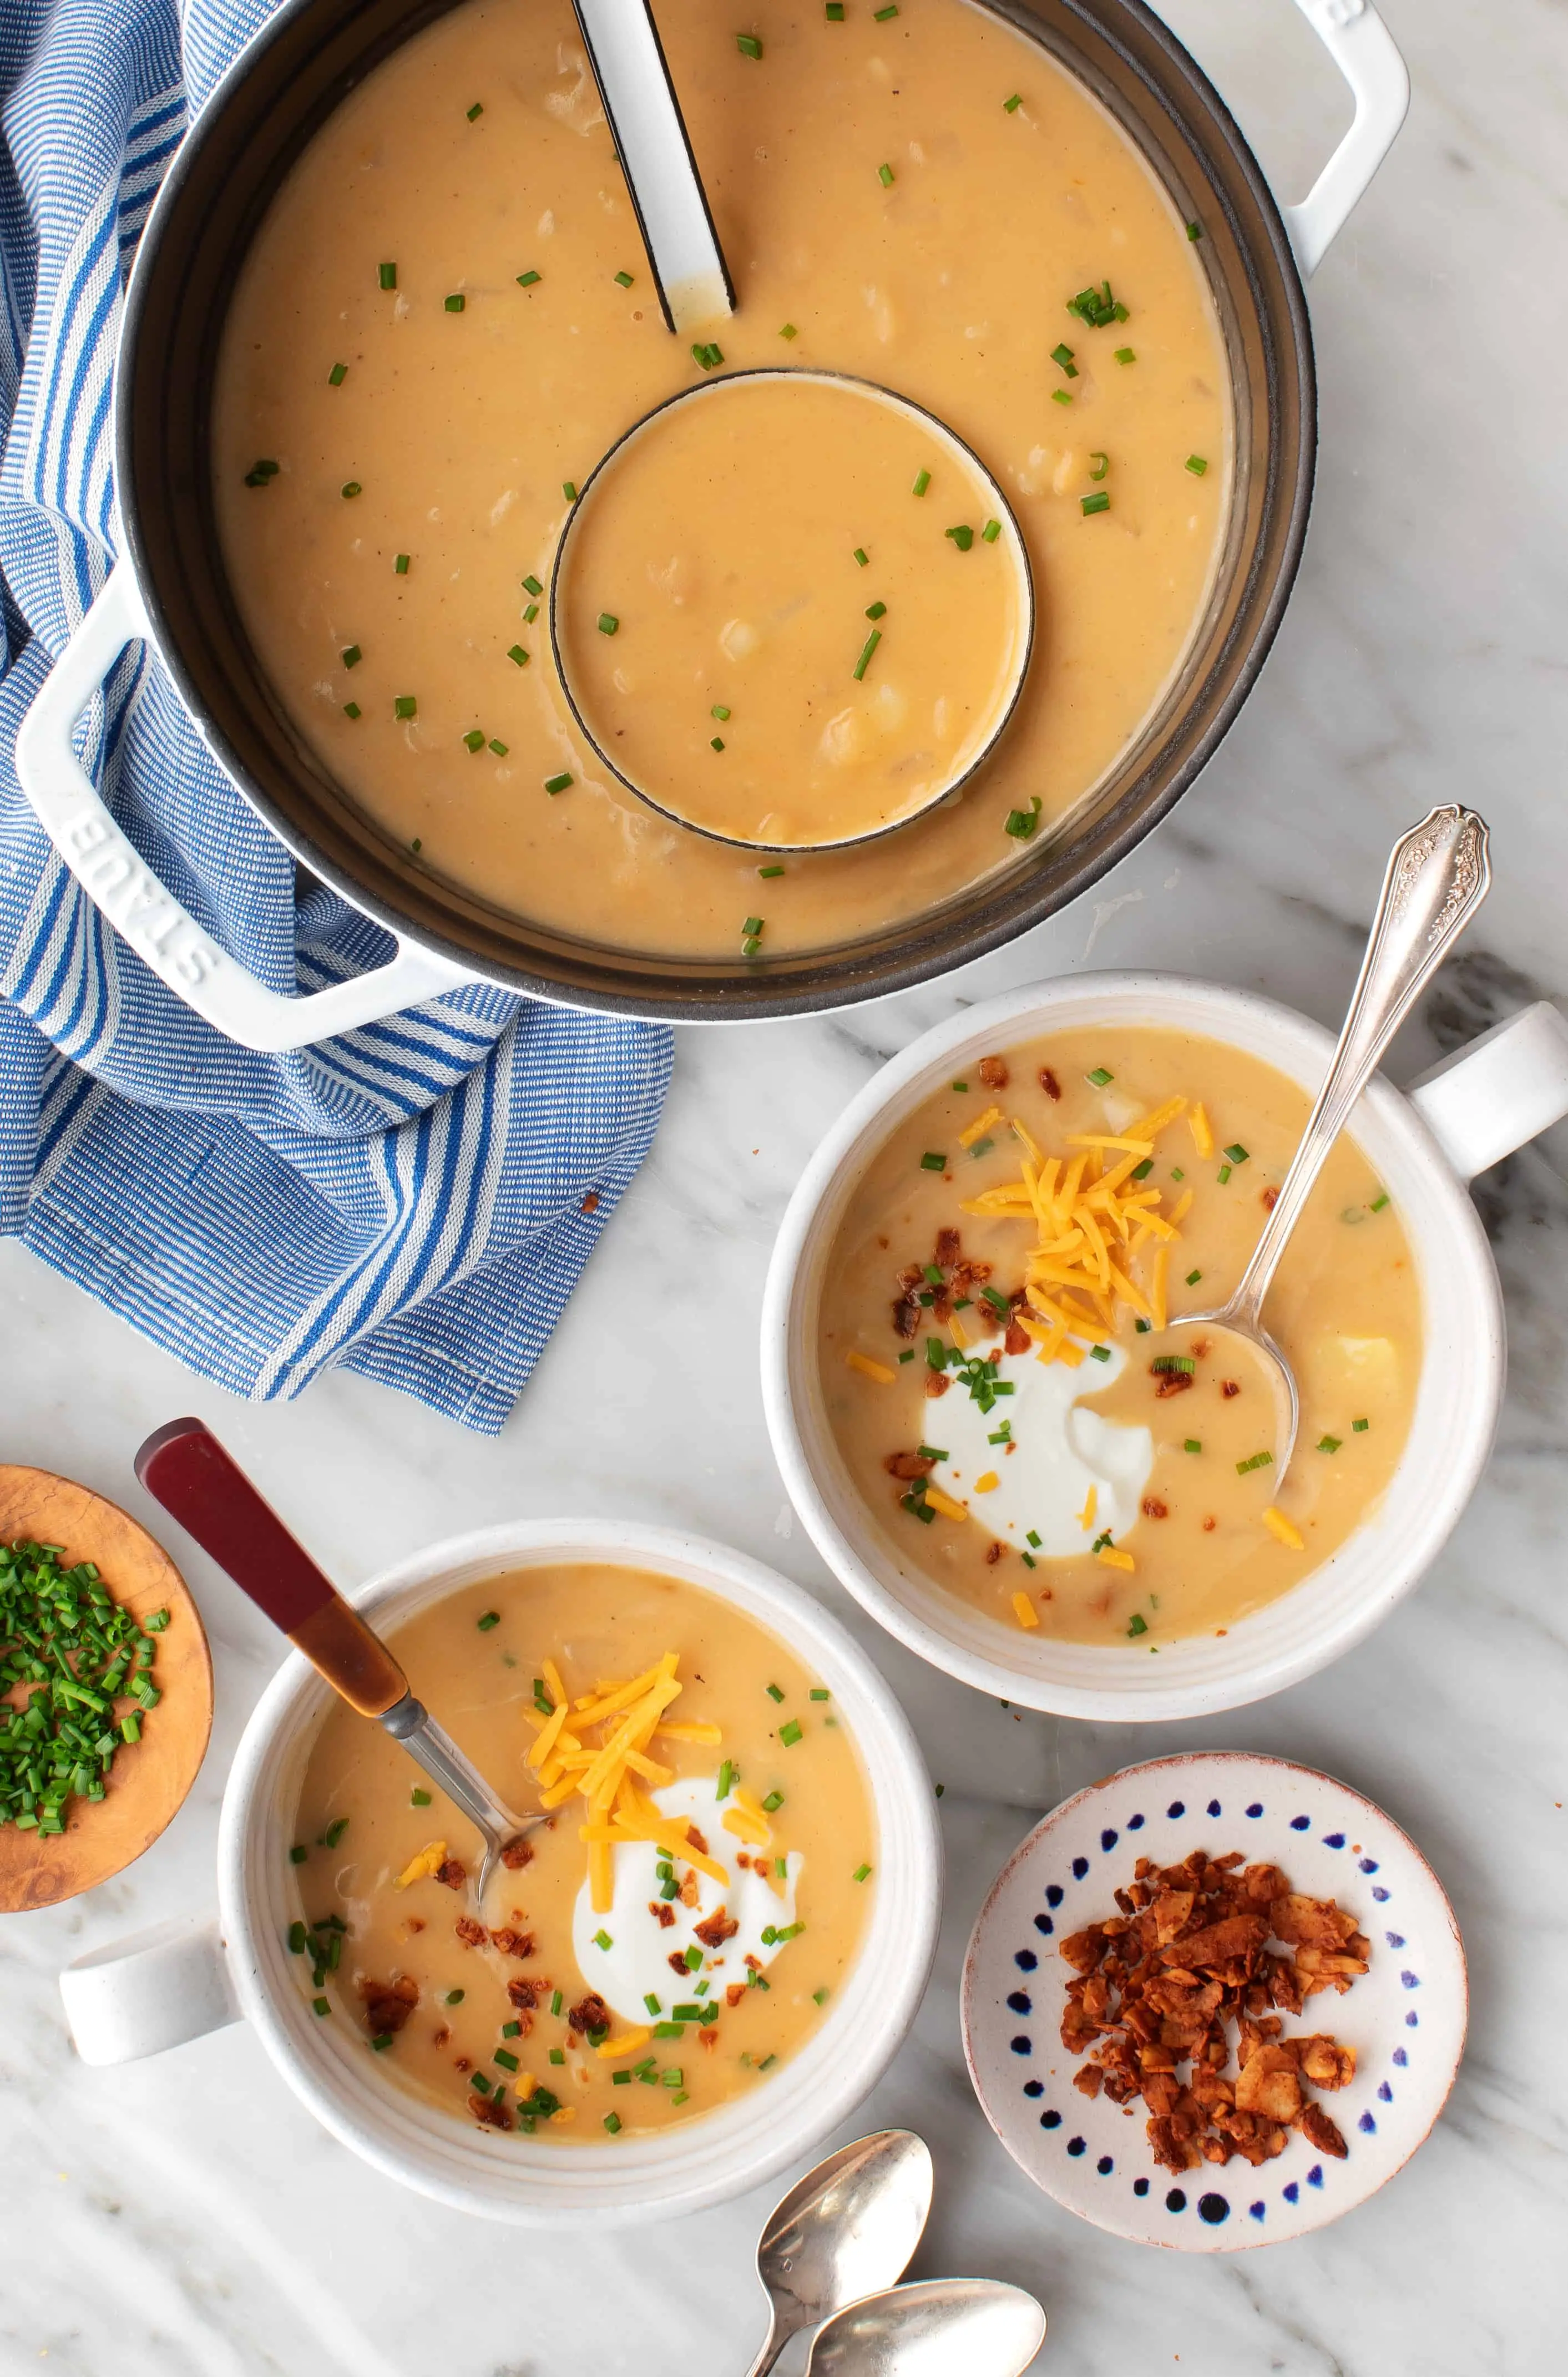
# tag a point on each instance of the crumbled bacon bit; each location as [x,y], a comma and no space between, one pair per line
[905,1316]
[994,1551]
[486,2109]
[513,1943]
[441,2038]
[462,2063]
[662,1911]
[1050,1086]
[388,2004]
[1152,1508]
[949,1247]
[591,1203]
[993,1072]
[1017,1340]
[937,1385]
[515,1855]
[1270,1199]
[1209,1526]
[588,2014]
[677,1960]
[470,1933]
[525,1994]
[1173,1383]
[734,1993]
[1158,1986]
[689,1894]
[908,1465]
[453,1873]
[416,1923]
[709,2037]
[755,1963]
[693,1837]
[1228,1387]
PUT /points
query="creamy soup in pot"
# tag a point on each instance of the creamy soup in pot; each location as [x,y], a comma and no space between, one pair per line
[1003,1360]
[445,321]
[675,1931]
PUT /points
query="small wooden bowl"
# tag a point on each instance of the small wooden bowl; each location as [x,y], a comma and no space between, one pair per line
[151,1777]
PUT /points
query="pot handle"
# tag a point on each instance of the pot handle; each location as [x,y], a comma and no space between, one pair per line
[167,939]
[1364,50]
[155,1989]
[1489,1097]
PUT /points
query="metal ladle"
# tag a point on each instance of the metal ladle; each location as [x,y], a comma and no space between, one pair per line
[185,1468]
[847,2230]
[938,2327]
[1437,875]
[650,138]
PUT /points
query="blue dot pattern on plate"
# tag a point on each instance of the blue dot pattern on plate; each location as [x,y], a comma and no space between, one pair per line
[1212,2208]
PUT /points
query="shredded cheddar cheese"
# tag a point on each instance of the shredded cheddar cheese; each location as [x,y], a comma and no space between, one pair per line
[1091,1213]
[978,1130]
[1108,1556]
[612,1774]
[869,1370]
[1202,1136]
[429,1862]
[1086,1515]
[1025,1611]
[627,2043]
[1281,1528]
[944,1502]
[988,1483]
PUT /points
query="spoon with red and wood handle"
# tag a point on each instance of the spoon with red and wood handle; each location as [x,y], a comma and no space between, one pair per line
[185,1468]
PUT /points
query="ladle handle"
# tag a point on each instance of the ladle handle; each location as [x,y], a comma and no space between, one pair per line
[1437,875]
[650,138]
[185,1468]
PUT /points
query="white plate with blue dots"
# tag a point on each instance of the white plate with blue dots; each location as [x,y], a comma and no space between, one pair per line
[1405,2017]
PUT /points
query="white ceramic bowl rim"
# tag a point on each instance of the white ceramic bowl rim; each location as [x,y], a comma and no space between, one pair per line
[1347,1595]
[631,2179]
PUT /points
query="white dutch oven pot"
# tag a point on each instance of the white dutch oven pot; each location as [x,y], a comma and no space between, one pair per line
[168,590]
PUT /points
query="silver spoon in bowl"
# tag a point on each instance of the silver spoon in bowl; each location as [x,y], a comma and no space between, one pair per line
[846,2230]
[938,2327]
[183,1467]
[1437,875]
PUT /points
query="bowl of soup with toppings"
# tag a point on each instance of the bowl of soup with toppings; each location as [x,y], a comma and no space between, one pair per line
[986,1406]
[696,1964]
[392,311]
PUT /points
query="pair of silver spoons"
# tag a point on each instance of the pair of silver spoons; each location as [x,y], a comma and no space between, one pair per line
[831,2256]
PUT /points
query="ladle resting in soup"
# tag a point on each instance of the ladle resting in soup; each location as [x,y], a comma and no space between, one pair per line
[446,319]
[1004,1268]
[676,1931]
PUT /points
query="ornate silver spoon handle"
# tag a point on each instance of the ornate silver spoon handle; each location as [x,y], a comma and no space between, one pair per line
[1438,876]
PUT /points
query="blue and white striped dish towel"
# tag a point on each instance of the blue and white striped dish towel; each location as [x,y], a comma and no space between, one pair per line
[414,1201]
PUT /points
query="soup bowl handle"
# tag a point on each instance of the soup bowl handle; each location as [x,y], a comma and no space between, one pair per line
[165,936]
[1495,1093]
[153,1990]
[1364,50]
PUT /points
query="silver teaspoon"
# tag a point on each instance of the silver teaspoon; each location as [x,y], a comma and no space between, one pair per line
[846,2230]
[1437,875]
[650,134]
[938,2327]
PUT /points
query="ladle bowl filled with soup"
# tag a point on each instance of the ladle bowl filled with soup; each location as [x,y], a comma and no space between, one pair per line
[390,313]
[993,1417]
[699,1962]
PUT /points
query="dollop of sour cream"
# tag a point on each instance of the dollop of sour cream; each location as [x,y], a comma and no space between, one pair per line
[1063,1448]
[636,1965]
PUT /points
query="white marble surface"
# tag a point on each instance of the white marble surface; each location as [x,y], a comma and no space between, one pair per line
[184,2216]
